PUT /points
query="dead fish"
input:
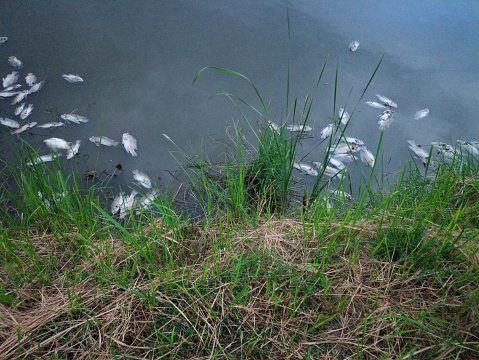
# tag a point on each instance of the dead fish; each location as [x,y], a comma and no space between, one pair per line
[73,149]
[345,157]
[15,62]
[37,86]
[367,156]
[376,105]
[75,118]
[145,201]
[10,79]
[444,149]
[299,128]
[421,114]
[9,123]
[343,148]
[19,109]
[354,45]
[419,151]
[129,142]
[30,79]
[50,124]
[306,168]
[43,158]
[387,101]
[116,203]
[329,171]
[12,87]
[128,204]
[469,147]
[3,40]
[352,140]
[20,97]
[338,164]
[5,94]
[26,112]
[385,119]
[341,194]
[142,179]
[327,131]
[103,140]
[273,126]
[23,128]
[344,116]
[57,144]
[386,115]
[72,78]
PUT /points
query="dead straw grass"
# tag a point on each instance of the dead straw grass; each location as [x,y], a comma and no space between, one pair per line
[364,308]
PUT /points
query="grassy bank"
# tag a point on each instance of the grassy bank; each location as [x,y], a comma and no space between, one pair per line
[271,270]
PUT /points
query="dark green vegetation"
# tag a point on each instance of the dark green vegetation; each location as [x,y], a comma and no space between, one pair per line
[270,271]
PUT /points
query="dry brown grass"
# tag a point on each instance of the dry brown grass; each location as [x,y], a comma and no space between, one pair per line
[364,308]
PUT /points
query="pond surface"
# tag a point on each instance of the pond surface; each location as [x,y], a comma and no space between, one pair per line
[139,59]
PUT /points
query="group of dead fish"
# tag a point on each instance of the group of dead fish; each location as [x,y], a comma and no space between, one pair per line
[122,203]
[343,152]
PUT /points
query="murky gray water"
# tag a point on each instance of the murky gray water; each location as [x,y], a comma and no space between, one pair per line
[139,58]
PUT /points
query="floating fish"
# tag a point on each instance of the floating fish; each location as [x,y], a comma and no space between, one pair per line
[5,94]
[345,157]
[128,204]
[50,124]
[20,97]
[43,158]
[15,62]
[344,116]
[142,179]
[23,128]
[306,168]
[30,79]
[444,149]
[329,171]
[338,164]
[26,112]
[145,201]
[352,140]
[367,156]
[57,144]
[273,126]
[343,148]
[386,115]
[72,78]
[299,128]
[116,203]
[10,79]
[354,45]
[9,123]
[3,40]
[474,143]
[327,131]
[36,87]
[385,119]
[387,101]
[73,150]
[129,142]
[469,147]
[421,114]
[75,118]
[419,151]
[341,194]
[103,140]
[19,109]
[376,105]
[12,87]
